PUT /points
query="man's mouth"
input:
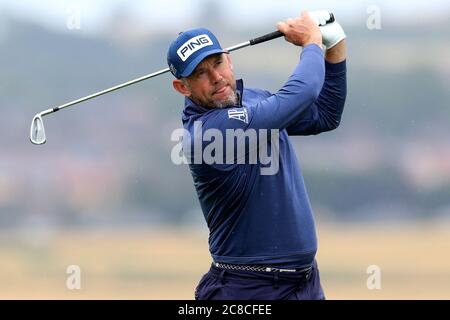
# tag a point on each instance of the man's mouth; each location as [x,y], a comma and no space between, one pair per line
[221,90]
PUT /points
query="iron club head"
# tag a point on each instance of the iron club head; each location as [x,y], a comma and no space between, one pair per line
[37,131]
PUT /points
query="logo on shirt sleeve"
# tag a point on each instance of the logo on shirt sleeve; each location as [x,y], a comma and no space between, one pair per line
[240,115]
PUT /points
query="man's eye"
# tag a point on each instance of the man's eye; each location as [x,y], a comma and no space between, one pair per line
[218,62]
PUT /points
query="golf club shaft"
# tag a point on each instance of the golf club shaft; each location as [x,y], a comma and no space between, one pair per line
[120,86]
[264,38]
[152,75]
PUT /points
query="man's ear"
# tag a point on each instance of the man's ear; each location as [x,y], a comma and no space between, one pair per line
[181,87]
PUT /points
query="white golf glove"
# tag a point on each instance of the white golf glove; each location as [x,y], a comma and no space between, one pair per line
[332,33]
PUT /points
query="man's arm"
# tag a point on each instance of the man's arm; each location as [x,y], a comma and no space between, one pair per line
[336,54]
[282,109]
[325,114]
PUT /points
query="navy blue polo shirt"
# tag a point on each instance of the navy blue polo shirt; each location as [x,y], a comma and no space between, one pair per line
[256,216]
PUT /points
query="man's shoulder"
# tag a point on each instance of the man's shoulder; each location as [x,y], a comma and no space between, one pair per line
[256,93]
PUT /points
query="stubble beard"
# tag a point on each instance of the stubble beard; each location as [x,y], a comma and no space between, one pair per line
[230,100]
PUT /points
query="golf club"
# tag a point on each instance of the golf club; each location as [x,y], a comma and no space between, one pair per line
[37,131]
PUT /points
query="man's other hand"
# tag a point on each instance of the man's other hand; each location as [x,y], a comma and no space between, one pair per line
[301,31]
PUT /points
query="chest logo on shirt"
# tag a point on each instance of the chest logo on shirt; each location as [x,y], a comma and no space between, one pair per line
[240,115]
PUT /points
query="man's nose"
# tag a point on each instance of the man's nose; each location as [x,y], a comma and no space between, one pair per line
[215,76]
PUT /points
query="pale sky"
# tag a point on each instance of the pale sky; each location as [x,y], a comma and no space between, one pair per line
[174,13]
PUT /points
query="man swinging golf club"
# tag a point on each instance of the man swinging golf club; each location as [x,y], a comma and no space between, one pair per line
[262,232]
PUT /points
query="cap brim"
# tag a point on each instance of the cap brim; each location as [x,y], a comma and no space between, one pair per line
[194,63]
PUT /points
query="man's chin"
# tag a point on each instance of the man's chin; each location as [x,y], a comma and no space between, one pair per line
[229,101]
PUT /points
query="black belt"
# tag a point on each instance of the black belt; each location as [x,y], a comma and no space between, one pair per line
[256,268]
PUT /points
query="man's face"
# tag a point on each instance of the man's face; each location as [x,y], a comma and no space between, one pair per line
[212,84]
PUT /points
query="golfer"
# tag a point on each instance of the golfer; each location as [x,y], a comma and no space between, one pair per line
[262,235]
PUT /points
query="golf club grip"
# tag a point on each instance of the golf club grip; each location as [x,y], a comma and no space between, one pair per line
[266,37]
[277,34]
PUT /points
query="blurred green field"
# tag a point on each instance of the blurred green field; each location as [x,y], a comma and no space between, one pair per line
[167,264]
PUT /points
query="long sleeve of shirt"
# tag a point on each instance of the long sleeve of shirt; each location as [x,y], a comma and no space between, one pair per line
[325,114]
[285,108]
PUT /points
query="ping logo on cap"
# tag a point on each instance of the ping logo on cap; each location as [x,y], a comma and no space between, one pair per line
[193,45]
